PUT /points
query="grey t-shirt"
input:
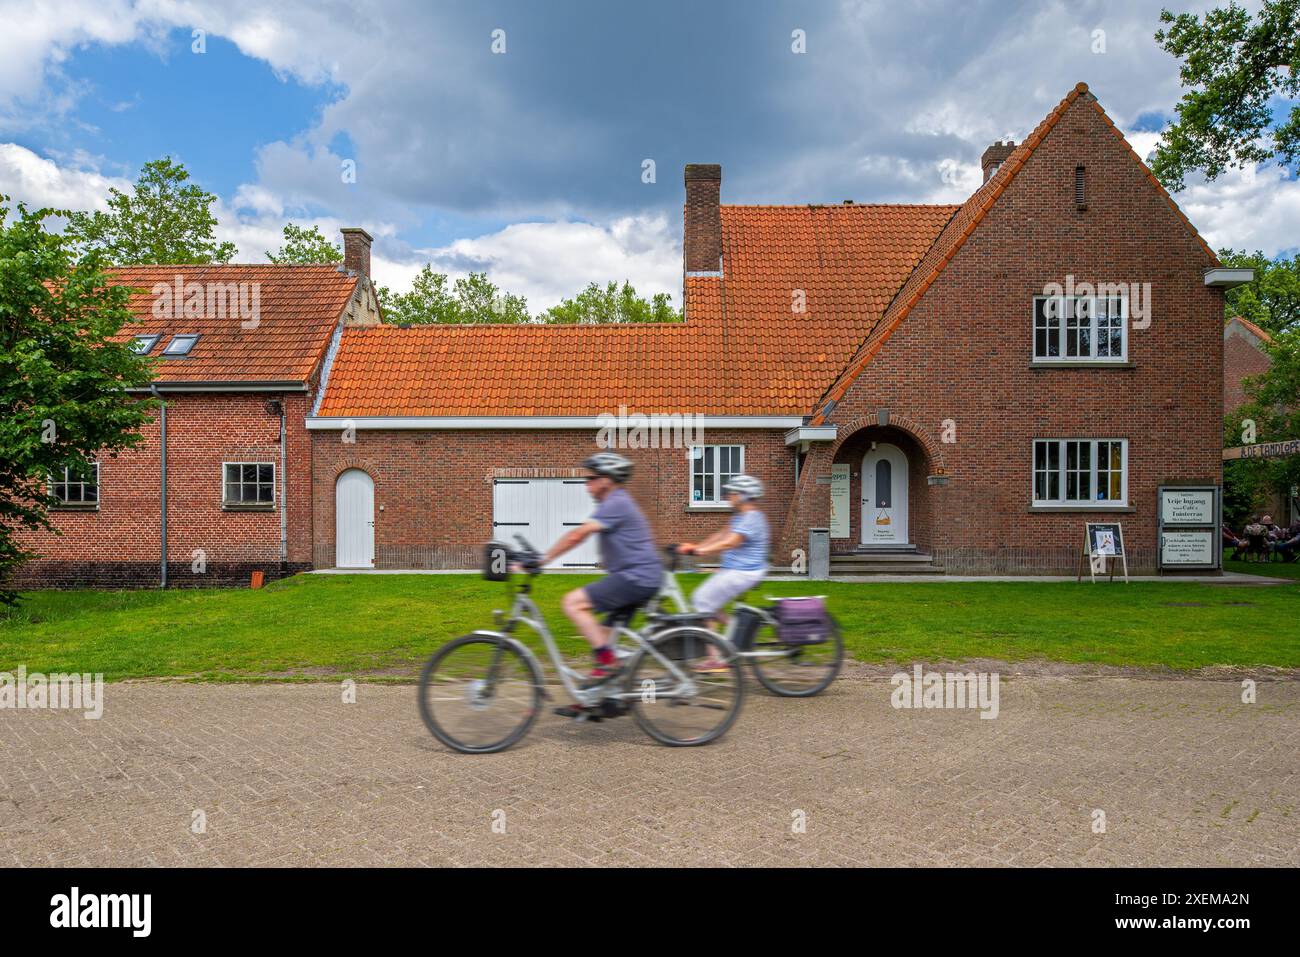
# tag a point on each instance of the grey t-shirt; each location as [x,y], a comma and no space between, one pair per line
[626,547]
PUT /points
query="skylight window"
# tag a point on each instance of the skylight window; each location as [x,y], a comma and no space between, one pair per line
[181,345]
[143,345]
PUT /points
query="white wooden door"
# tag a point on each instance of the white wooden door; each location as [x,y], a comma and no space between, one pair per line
[354,520]
[541,510]
[884,496]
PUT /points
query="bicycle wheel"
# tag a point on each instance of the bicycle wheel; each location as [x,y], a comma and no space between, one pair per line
[797,670]
[694,711]
[480,694]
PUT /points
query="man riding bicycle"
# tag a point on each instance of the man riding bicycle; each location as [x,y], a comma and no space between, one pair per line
[627,552]
[745,540]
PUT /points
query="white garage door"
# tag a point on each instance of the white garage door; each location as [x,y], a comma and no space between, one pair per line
[541,510]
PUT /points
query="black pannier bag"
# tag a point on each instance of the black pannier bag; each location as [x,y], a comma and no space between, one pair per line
[747,625]
[496,562]
[684,646]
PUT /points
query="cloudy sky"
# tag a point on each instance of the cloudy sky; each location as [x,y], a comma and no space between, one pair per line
[525,152]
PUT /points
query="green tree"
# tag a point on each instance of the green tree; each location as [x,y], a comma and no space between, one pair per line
[1272,299]
[613,303]
[434,298]
[165,220]
[63,383]
[1273,404]
[305,246]
[1234,69]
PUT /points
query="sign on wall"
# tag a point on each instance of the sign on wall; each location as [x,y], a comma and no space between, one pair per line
[840,500]
[1188,533]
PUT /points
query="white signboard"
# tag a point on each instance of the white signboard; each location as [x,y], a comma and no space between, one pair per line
[1187,548]
[1187,506]
[840,500]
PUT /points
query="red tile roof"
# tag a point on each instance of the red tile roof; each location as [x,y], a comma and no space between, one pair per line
[742,351]
[1250,327]
[299,307]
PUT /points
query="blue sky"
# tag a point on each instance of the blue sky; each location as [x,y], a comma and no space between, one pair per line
[528,163]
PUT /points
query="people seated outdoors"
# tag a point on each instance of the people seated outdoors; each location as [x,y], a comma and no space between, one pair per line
[1288,546]
[1230,540]
[1257,543]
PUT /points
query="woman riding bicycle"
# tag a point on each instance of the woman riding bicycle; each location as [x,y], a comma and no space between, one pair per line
[745,542]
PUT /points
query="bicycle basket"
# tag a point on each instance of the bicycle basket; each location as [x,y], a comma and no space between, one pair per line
[802,621]
[747,625]
[496,562]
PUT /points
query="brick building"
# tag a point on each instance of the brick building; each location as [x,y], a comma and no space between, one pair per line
[239,359]
[954,387]
[962,386]
[1245,353]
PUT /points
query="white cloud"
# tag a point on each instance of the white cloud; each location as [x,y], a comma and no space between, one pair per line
[38,181]
[1246,210]
[547,262]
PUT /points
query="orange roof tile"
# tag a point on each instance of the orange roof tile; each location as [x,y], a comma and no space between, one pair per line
[1250,327]
[298,309]
[744,349]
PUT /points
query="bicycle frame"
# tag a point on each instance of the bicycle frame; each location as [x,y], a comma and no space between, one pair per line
[525,611]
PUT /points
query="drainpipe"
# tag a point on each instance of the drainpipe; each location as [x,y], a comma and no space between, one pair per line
[284,493]
[162,483]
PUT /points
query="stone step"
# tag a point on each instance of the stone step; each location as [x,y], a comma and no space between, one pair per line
[885,568]
[898,557]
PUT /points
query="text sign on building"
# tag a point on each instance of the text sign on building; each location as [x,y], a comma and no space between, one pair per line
[1187,548]
[1187,506]
[840,500]
[1188,535]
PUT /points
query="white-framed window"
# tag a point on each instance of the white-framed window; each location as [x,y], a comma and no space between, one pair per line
[1082,472]
[712,466]
[1080,329]
[248,484]
[75,488]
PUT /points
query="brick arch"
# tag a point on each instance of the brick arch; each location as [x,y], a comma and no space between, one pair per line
[903,423]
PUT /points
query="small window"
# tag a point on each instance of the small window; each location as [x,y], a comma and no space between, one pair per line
[713,466]
[1082,472]
[76,487]
[1081,328]
[180,345]
[249,485]
[143,345]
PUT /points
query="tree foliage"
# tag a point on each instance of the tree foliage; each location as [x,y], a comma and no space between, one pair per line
[63,399]
[305,246]
[612,303]
[1235,67]
[164,220]
[1272,299]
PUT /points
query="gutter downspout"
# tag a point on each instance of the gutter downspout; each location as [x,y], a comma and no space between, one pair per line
[162,483]
[284,492]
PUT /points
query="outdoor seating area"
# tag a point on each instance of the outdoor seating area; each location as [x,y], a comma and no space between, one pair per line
[1263,540]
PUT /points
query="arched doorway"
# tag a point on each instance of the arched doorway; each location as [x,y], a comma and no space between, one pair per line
[354,520]
[884,495]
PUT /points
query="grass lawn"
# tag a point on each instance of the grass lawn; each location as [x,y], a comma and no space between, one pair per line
[1266,569]
[386,624]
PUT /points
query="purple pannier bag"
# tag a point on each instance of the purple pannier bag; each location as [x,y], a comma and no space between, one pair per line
[802,621]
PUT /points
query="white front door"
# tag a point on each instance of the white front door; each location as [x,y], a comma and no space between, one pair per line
[541,510]
[354,520]
[884,496]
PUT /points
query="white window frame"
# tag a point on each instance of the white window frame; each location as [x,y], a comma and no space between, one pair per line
[66,481]
[1062,469]
[1065,315]
[247,506]
[719,498]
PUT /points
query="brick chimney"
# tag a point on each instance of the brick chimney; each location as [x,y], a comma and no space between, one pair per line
[356,250]
[995,156]
[702,231]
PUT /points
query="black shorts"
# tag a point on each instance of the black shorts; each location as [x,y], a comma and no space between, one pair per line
[618,591]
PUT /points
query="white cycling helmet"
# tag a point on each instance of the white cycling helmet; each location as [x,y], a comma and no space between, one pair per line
[609,464]
[748,487]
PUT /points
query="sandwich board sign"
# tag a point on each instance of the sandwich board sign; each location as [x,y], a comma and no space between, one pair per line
[1103,542]
[1189,535]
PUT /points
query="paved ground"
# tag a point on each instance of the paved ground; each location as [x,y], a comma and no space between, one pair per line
[1185,773]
